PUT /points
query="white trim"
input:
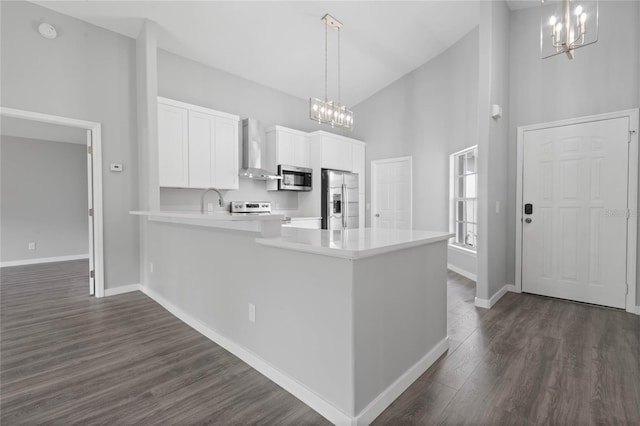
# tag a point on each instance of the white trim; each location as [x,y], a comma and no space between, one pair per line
[43,260]
[295,388]
[122,289]
[197,108]
[632,193]
[463,272]
[463,250]
[378,405]
[96,179]
[374,183]
[489,303]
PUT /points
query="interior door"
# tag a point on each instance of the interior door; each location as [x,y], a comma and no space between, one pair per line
[574,228]
[391,189]
[92,284]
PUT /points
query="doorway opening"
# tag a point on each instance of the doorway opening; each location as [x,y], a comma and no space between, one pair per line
[91,131]
[577,204]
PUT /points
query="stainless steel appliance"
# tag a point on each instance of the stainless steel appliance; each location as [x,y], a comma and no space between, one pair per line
[294,178]
[339,199]
[253,152]
[251,207]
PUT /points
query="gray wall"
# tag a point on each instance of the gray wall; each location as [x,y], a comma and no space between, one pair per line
[429,114]
[493,83]
[602,78]
[44,199]
[192,82]
[86,73]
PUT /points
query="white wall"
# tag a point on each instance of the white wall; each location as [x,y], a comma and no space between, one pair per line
[86,73]
[602,78]
[192,82]
[429,114]
[44,199]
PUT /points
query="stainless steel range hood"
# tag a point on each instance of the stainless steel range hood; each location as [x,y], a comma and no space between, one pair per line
[253,153]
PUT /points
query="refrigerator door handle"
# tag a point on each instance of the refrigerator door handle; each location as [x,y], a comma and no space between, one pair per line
[345,204]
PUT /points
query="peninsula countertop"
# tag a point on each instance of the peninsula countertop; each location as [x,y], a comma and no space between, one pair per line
[352,243]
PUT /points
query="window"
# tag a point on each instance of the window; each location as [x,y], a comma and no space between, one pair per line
[464,191]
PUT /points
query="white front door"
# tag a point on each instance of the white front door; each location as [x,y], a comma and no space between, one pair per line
[574,196]
[391,193]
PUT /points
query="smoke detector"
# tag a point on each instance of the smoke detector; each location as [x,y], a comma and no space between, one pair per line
[47,31]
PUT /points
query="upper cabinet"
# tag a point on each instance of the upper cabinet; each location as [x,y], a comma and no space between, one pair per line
[336,153]
[198,147]
[286,146]
[173,141]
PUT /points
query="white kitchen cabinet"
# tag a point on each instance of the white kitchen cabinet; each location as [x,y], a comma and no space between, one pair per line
[286,146]
[305,223]
[336,153]
[209,146]
[173,146]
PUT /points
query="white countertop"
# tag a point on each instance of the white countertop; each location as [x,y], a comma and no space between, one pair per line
[352,243]
[266,225]
[210,216]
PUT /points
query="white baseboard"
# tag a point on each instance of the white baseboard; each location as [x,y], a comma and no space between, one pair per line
[462,272]
[378,405]
[488,303]
[122,289]
[298,390]
[43,260]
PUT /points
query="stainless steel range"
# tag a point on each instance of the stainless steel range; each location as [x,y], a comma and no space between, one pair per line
[251,207]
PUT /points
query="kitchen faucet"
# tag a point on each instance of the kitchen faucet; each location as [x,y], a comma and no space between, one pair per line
[220,202]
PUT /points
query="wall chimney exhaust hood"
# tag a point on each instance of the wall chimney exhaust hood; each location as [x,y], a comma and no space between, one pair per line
[252,153]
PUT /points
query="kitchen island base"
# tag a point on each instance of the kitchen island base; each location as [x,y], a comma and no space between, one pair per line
[345,336]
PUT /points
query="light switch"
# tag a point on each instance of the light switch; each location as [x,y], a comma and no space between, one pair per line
[115,167]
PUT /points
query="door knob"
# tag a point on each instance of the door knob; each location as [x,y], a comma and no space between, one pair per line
[377,214]
[528,220]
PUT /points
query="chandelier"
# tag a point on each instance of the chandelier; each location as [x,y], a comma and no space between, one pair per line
[326,111]
[563,28]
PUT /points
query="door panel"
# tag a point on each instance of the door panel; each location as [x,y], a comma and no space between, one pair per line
[393,199]
[173,146]
[225,161]
[201,140]
[574,241]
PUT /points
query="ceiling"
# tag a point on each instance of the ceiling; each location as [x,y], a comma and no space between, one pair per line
[280,44]
[30,129]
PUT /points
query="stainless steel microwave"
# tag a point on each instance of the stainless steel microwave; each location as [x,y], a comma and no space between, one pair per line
[294,178]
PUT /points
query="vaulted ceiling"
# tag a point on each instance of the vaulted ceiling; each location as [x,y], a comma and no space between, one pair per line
[280,44]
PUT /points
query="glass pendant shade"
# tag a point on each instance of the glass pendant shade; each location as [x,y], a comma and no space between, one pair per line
[326,112]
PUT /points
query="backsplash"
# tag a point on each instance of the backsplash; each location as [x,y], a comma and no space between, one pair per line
[250,190]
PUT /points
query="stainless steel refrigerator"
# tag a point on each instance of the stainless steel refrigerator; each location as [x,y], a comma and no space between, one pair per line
[339,200]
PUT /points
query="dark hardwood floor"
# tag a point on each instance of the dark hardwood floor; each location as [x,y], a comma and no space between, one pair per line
[67,358]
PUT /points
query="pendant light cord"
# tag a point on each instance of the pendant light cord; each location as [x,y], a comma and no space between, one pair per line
[339,101]
[326,72]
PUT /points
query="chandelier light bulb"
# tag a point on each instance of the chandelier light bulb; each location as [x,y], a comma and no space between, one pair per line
[552,21]
[583,18]
[559,26]
[315,107]
[578,10]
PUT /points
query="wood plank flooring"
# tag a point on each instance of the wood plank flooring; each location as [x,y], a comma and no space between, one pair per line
[67,358]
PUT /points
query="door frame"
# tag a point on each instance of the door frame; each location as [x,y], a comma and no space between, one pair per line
[94,179]
[374,184]
[632,193]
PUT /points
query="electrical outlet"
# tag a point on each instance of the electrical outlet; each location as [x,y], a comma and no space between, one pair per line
[210,207]
[252,312]
[497,206]
[32,246]
[151,267]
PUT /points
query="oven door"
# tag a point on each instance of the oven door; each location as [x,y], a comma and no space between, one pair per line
[294,178]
